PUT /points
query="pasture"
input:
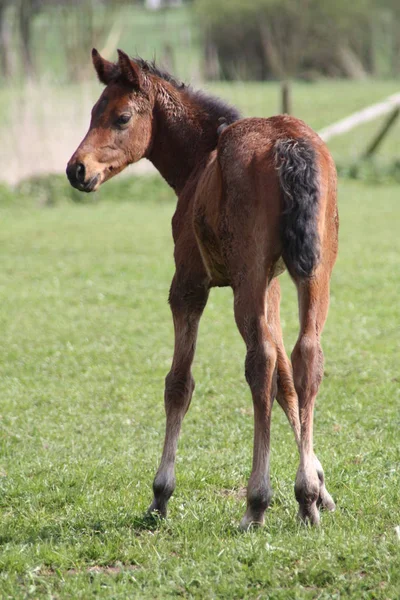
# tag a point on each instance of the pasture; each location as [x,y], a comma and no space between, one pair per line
[86,340]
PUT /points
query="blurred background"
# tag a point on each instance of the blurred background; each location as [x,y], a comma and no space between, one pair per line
[333,58]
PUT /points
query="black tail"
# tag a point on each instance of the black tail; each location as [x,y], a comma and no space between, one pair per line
[298,176]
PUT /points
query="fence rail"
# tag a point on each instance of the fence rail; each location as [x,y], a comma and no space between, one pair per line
[391,104]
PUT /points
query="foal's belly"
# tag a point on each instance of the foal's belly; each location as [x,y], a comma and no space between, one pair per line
[206,222]
[210,250]
[223,238]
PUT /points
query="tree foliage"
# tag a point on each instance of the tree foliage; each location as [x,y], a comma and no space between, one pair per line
[266,39]
[80,23]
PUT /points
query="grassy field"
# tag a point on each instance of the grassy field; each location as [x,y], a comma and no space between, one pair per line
[86,340]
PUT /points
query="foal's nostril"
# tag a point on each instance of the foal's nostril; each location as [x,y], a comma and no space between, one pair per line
[80,172]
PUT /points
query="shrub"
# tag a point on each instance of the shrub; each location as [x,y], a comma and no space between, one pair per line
[267,39]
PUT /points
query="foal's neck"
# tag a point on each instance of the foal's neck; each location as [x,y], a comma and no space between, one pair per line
[184,136]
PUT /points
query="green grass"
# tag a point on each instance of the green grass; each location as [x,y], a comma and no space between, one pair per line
[86,340]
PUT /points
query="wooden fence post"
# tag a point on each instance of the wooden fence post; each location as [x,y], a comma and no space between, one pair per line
[286,98]
[381,133]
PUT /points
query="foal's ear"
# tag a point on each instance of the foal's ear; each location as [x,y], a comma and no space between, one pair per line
[130,71]
[105,69]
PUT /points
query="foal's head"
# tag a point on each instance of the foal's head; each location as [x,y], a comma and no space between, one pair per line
[144,111]
[121,124]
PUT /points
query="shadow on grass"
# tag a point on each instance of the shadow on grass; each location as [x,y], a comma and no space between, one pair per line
[147,522]
[58,532]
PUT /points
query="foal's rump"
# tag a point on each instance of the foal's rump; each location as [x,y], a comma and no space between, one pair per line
[277,177]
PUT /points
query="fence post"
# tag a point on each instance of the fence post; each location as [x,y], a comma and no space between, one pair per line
[382,133]
[286,98]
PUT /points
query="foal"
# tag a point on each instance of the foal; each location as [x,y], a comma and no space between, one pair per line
[254,196]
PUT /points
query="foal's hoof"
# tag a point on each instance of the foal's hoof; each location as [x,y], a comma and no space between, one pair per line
[249,522]
[157,510]
[325,501]
[309,514]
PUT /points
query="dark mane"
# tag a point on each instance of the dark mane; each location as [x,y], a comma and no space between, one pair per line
[150,67]
[215,107]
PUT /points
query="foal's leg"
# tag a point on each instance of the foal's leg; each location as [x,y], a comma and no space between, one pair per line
[187,304]
[286,394]
[307,361]
[260,369]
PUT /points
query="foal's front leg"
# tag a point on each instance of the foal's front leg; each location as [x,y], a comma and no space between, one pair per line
[187,302]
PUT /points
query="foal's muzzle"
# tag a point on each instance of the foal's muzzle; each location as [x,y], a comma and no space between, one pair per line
[76,173]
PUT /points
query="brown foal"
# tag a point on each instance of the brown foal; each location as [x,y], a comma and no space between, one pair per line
[255,196]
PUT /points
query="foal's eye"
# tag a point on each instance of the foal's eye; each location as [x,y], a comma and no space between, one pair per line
[123,119]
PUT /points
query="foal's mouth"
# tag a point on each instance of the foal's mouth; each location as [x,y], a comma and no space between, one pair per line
[89,186]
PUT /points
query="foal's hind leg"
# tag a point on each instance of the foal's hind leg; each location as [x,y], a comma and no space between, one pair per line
[286,393]
[307,361]
[187,300]
[260,369]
